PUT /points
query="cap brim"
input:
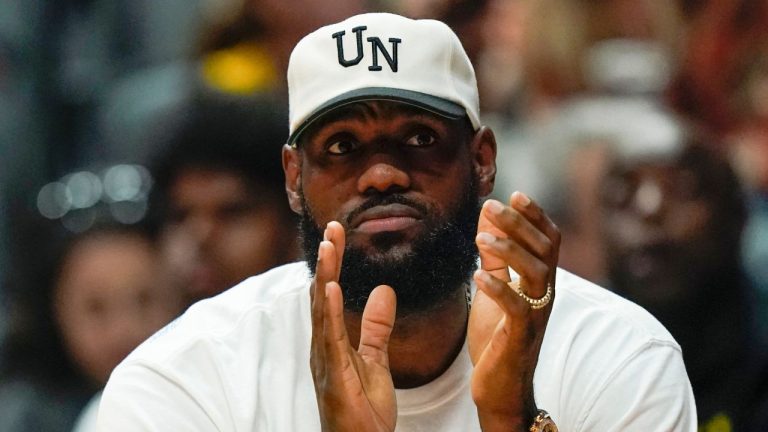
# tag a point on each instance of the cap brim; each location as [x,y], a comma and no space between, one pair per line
[427,102]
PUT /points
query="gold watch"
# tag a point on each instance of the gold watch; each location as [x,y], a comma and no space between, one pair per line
[543,423]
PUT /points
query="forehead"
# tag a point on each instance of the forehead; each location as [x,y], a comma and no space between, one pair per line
[204,184]
[693,161]
[107,259]
[380,110]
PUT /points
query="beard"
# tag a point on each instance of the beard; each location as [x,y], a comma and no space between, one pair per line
[438,263]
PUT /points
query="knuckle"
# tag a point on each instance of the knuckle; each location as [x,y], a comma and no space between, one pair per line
[546,248]
[514,219]
[540,273]
[535,213]
[556,235]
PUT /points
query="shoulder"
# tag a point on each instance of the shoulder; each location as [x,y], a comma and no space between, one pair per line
[594,325]
[203,370]
[616,357]
[591,310]
[282,290]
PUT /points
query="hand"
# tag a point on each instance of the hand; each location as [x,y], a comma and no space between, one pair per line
[505,333]
[354,387]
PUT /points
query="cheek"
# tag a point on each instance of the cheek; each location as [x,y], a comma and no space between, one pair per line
[86,335]
[688,222]
[253,246]
[329,199]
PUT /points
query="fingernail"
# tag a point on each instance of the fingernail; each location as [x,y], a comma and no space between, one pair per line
[495,207]
[485,238]
[483,275]
[323,243]
[522,198]
[325,232]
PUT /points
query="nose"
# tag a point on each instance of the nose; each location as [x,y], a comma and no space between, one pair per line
[202,229]
[383,176]
[649,200]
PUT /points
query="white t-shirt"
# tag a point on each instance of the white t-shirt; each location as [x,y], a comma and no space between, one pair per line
[239,362]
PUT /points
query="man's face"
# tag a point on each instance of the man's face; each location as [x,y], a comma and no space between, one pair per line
[220,231]
[405,184]
[663,234]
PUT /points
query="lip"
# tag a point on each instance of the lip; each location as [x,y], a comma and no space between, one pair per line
[646,261]
[390,217]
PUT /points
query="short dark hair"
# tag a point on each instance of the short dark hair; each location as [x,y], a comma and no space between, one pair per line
[241,135]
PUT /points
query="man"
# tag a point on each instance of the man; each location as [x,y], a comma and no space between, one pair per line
[219,196]
[385,164]
[672,224]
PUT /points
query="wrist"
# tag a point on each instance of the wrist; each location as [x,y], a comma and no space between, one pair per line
[496,423]
[506,419]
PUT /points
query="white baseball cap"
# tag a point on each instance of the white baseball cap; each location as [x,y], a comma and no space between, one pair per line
[380,56]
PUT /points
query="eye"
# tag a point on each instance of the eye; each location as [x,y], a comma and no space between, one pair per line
[177,216]
[342,147]
[617,190]
[421,140]
[685,186]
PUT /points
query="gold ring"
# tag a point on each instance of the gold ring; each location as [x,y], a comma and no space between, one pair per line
[536,303]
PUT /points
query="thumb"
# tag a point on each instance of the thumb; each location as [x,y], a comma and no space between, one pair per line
[378,321]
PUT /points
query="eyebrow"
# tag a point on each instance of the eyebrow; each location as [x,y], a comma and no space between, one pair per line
[353,111]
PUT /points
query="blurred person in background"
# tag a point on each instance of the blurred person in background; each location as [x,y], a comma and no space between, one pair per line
[588,66]
[245,47]
[723,87]
[104,296]
[575,48]
[672,219]
[219,196]
[491,32]
[574,150]
[240,49]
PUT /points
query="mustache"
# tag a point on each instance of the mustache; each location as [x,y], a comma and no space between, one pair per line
[381,200]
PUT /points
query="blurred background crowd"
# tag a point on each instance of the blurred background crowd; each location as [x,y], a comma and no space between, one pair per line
[140,170]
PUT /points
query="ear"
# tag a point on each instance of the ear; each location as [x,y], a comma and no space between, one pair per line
[292,168]
[484,159]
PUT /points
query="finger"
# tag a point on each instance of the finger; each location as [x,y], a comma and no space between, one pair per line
[499,292]
[323,274]
[514,310]
[325,271]
[533,270]
[335,336]
[334,232]
[490,262]
[515,225]
[535,214]
[378,321]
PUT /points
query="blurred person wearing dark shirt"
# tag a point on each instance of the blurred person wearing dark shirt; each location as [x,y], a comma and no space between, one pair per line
[722,87]
[672,224]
